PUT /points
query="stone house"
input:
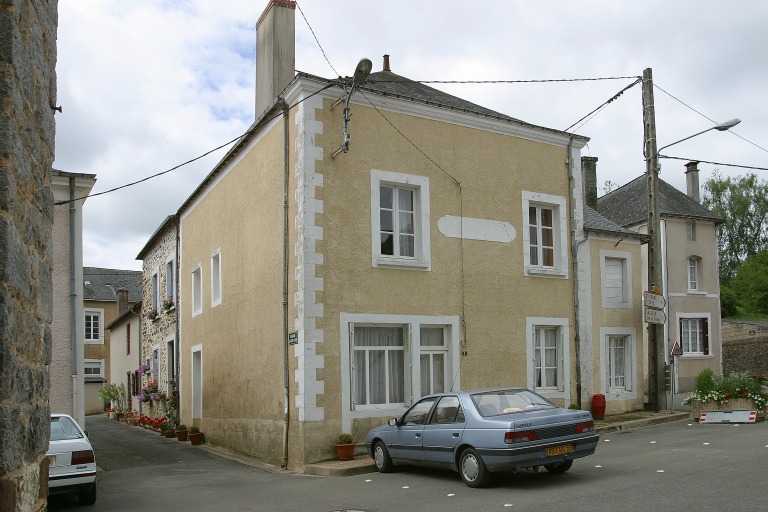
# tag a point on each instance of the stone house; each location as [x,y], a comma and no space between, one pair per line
[159,348]
[101,305]
[689,266]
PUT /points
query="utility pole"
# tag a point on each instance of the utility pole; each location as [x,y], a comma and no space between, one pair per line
[656,387]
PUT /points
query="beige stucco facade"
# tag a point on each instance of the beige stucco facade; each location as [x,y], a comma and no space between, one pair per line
[472,281]
[98,350]
[67,389]
[124,354]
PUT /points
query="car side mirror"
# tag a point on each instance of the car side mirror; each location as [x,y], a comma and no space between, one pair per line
[85,432]
[392,422]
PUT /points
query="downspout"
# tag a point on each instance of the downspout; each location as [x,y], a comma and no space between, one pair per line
[177,370]
[73,294]
[574,256]
[286,410]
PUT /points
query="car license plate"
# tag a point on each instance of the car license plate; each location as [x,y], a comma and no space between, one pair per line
[557,450]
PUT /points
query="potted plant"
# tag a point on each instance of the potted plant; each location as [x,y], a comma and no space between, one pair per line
[182,432]
[195,436]
[168,304]
[345,446]
[732,392]
[151,315]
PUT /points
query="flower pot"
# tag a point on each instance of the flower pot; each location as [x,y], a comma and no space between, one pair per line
[182,435]
[734,404]
[196,438]
[169,433]
[113,415]
[346,451]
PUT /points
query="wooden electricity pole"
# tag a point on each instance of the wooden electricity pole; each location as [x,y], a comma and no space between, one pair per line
[656,388]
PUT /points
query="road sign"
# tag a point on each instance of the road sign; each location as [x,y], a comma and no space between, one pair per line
[677,350]
[728,417]
[651,300]
[655,316]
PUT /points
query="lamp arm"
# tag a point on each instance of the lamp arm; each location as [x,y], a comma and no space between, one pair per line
[681,140]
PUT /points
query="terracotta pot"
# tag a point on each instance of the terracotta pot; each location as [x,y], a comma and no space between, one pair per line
[169,433]
[181,435]
[346,451]
[196,438]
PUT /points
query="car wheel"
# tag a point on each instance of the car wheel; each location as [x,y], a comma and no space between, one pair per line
[472,469]
[381,458]
[88,497]
[559,467]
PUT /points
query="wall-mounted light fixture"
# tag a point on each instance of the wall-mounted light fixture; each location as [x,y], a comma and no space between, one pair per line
[362,71]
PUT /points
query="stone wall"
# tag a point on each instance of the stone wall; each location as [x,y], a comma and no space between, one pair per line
[745,347]
[27,92]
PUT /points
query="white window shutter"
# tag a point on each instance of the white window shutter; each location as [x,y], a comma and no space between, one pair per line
[561,357]
[629,354]
[352,370]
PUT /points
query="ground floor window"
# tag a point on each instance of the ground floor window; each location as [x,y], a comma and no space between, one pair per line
[694,336]
[618,362]
[548,354]
[396,359]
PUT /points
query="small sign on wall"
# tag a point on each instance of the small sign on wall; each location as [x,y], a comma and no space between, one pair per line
[293,338]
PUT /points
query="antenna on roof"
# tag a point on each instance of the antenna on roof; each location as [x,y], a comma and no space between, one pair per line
[362,71]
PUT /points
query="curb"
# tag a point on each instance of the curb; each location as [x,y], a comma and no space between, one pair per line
[631,425]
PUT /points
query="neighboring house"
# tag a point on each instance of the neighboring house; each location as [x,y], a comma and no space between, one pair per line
[100,307]
[159,348]
[609,305]
[124,348]
[325,293]
[691,285]
[66,370]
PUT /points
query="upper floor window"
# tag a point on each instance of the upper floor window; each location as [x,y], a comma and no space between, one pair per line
[616,279]
[216,278]
[545,237]
[93,369]
[400,220]
[197,290]
[690,230]
[155,290]
[693,273]
[170,279]
[94,326]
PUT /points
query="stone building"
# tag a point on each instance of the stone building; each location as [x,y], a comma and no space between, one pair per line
[27,127]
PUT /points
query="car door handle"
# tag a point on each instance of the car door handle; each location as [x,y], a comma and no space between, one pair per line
[418,435]
[455,434]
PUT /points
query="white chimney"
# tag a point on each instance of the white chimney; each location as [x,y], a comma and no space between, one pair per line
[275,52]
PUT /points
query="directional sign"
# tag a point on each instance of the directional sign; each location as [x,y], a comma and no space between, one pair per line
[651,300]
[655,316]
[677,350]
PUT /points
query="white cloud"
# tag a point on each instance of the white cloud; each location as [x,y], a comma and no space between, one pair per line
[146,85]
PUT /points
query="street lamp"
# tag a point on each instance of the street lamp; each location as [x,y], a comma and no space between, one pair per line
[362,71]
[719,127]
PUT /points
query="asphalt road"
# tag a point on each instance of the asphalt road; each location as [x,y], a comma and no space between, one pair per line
[677,466]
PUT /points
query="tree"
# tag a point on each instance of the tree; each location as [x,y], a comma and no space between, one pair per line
[743,203]
[750,284]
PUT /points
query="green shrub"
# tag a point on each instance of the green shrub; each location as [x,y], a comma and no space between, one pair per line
[345,439]
[194,430]
[181,427]
[705,380]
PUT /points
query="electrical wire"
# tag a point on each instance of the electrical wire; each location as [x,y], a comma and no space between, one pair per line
[714,163]
[707,117]
[244,134]
[316,40]
[611,99]
[511,81]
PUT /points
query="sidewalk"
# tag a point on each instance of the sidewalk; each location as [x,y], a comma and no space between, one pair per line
[362,463]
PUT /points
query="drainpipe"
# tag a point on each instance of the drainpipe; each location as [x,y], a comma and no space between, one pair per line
[286,411]
[73,295]
[177,314]
[575,252]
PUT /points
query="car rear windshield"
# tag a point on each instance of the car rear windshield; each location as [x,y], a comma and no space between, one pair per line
[507,401]
[64,428]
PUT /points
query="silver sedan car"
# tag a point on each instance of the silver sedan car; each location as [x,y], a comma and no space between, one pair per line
[480,432]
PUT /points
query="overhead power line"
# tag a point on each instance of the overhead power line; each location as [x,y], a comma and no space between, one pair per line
[316,39]
[612,98]
[714,163]
[512,81]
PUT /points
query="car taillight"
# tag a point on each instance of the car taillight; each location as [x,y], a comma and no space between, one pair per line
[82,457]
[519,437]
[587,426]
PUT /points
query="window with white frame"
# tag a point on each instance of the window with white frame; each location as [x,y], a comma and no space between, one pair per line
[155,290]
[395,359]
[155,363]
[93,368]
[545,235]
[618,362]
[170,279]
[548,355]
[616,278]
[94,326]
[690,230]
[694,336]
[400,220]
[197,290]
[693,273]
[216,278]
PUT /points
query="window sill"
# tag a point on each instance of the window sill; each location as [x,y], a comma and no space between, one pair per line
[401,263]
[93,342]
[545,272]
[697,356]
[696,292]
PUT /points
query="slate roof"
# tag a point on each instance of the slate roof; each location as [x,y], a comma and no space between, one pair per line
[593,221]
[628,205]
[101,284]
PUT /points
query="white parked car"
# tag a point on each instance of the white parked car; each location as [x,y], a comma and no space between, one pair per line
[72,464]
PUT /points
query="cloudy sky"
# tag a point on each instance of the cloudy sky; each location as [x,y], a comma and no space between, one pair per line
[148,84]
